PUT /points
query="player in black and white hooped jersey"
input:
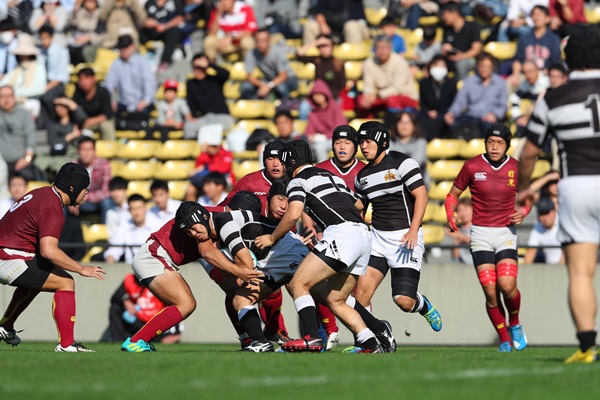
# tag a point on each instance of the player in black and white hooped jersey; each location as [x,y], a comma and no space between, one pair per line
[329,272]
[571,113]
[393,184]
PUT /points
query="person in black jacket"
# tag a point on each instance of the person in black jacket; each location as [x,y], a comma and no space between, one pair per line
[436,93]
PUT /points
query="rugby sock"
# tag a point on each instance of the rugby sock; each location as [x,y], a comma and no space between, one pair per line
[372,323]
[233,315]
[161,322]
[250,320]
[63,311]
[366,339]
[498,319]
[327,319]
[305,306]
[273,318]
[586,340]
[420,305]
[513,306]
[21,299]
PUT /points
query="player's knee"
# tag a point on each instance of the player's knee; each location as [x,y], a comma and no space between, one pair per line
[507,286]
[405,282]
[363,296]
[405,303]
[188,307]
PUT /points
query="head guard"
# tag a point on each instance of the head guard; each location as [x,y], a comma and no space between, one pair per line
[500,130]
[272,149]
[583,48]
[345,132]
[191,213]
[278,187]
[72,175]
[377,132]
[295,154]
[244,200]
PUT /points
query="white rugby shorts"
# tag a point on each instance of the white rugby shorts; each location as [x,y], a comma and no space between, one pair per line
[386,244]
[493,239]
[579,209]
[148,263]
[350,243]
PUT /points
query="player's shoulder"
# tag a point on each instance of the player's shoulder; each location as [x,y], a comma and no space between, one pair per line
[323,164]
[512,162]
[397,157]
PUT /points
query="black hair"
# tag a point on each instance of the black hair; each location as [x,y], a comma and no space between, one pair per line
[17,175]
[46,29]
[452,6]
[387,21]
[85,139]
[542,8]
[197,56]
[435,59]
[215,177]
[484,55]
[159,184]
[284,113]
[263,29]
[429,32]
[559,67]
[118,182]
[136,197]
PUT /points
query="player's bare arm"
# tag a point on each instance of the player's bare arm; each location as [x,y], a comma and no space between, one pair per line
[450,204]
[49,249]
[526,165]
[214,257]
[291,216]
[409,239]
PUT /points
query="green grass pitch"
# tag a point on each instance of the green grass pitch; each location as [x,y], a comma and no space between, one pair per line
[193,371]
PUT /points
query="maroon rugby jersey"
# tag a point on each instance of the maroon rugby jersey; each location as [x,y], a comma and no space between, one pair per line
[257,183]
[36,215]
[348,176]
[181,248]
[493,190]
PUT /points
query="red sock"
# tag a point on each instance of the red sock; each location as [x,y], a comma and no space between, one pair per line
[273,319]
[63,310]
[21,299]
[327,318]
[233,316]
[513,306]
[498,319]
[161,322]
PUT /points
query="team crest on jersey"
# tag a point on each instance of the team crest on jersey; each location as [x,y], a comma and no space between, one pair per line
[362,182]
[389,176]
[511,178]
[480,176]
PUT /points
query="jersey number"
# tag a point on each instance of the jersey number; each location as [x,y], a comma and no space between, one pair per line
[592,104]
[24,200]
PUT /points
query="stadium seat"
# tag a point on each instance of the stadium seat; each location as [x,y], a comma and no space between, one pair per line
[501,50]
[171,135]
[541,168]
[31,185]
[411,37]
[175,149]
[515,144]
[107,148]
[592,15]
[244,168]
[472,148]
[430,211]
[248,109]
[439,190]
[299,125]
[87,258]
[445,169]
[103,62]
[177,189]
[444,148]
[439,214]
[115,167]
[94,233]
[429,20]
[352,51]
[433,234]
[375,15]
[174,170]
[353,69]
[138,170]
[305,71]
[231,90]
[246,155]
[357,122]
[128,134]
[139,187]
[249,125]
[138,149]
[237,72]
[304,87]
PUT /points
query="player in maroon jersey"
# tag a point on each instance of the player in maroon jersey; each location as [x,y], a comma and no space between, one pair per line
[31,260]
[182,240]
[492,178]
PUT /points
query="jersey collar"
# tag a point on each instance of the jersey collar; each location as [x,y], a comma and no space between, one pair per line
[499,166]
[338,168]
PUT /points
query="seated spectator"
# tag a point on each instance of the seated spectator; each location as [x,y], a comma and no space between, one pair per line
[95,101]
[173,112]
[164,18]
[325,116]
[284,121]
[464,210]
[131,78]
[565,15]
[8,42]
[278,78]
[518,21]
[280,17]
[84,25]
[132,232]
[344,18]
[410,11]
[462,40]
[230,29]
[389,27]
[205,97]
[56,59]
[428,48]
[481,101]
[49,13]
[116,17]
[213,190]
[119,209]
[558,75]
[194,12]
[436,93]
[407,138]
[17,187]
[545,233]
[164,206]
[534,85]
[65,128]
[388,83]
[98,199]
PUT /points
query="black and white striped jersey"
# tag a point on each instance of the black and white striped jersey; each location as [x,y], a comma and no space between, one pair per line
[387,187]
[327,199]
[238,229]
[572,114]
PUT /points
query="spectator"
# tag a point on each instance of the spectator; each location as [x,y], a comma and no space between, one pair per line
[280,17]
[132,233]
[409,11]
[213,190]
[17,136]
[8,42]
[389,27]
[407,138]
[98,199]
[557,75]
[337,17]
[65,128]
[194,11]
[325,116]
[50,13]
[436,93]
[518,21]
[3,11]
[131,78]
[534,85]
[84,25]
[173,112]
[272,61]
[462,236]
[164,206]
[462,41]
[117,16]
[17,187]
[545,233]
[56,59]
[95,101]
[566,14]
[119,208]
[541,46]
[164,18]
[428,48]
[284,122]
[482,101]
[205,97]
[388,83]
[230,29]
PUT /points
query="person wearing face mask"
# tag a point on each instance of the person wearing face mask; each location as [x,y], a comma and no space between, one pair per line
[8,61]
[437,92]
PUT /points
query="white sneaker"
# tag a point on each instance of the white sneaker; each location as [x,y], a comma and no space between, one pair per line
[332,340]
[73,348]
[10,337]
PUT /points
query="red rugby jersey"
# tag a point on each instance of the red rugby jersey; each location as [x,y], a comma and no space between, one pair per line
[181,248]
[257,183]
[349,176]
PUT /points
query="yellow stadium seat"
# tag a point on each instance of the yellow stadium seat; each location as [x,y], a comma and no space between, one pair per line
[304,87]
[438,191]
[592,15]
[300,126]
[231,90]
[130,134]
[249,125]
[439,215]
[139,187]
[246,155]
[444,148]
[352,51]
[70,89]
[445,169]
[429,20]
[244,168]
[357,122]
[31,185]
[353,69]
[138,170]
[349,114]
[115,167]
[541,168]
[501,50]
[138,149]
[94,233]
[87,258]
[248,109]
[433,234]
[430,211]
[472,148]
[237,72]
[107,148]
[412,37]
[175,149]
[177,189]
[515,143]
[174,169]
[302,70]
[103,62]
[375,15]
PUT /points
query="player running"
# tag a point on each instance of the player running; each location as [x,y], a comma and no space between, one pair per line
[31,260]
[492,178]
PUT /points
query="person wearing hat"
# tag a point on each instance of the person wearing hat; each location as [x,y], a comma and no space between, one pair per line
[544,233]
[173,112]
[570,114]
[492,178]
[95,102]
[31,260]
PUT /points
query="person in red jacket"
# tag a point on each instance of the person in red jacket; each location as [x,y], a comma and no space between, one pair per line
[565,14]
